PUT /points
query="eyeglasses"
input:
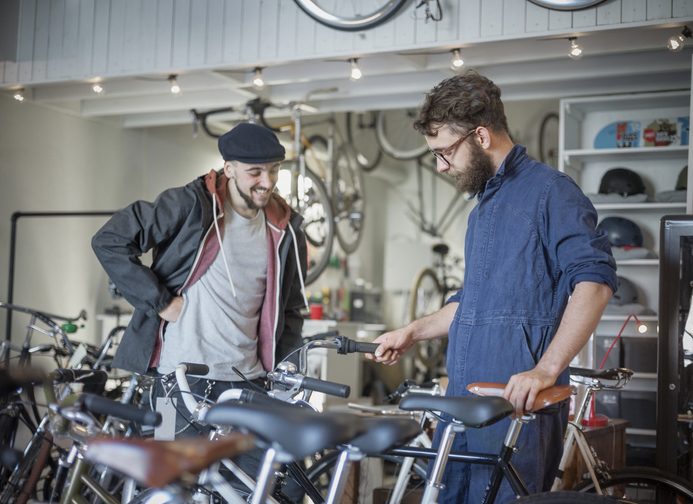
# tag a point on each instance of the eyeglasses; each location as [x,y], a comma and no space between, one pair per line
[448,151]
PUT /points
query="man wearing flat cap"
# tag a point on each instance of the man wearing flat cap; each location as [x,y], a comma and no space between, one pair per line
[226,283]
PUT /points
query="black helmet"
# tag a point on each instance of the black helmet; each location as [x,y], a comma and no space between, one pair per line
[621,232]
[627,293]
[682,182]
[622,181]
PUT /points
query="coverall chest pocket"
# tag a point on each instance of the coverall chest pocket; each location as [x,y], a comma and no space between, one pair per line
[514,260]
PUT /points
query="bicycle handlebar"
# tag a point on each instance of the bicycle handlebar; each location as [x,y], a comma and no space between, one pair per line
[104,406]
[195,369]
[326,387]
[78,375]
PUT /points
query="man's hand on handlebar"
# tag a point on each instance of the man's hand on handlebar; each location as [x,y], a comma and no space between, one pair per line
[393,345]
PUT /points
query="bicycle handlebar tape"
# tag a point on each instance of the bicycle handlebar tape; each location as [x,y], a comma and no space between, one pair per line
[195,369]
[326,387]
[129,412]
[80,376]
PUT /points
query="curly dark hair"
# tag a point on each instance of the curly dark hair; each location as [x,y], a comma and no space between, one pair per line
[462,102]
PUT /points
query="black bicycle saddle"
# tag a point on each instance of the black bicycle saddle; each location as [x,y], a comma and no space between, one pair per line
[471,411]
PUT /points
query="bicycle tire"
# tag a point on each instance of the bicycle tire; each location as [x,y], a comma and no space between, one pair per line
[361,135]
[317,157]
[339,21]
[395,134]
[426,297]
[348,199]
[22,481]
[564,498]
[320,474]
[548,139]
[318,220]
[642,481]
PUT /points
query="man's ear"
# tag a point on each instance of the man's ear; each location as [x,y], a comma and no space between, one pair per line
[483,136]
[228,170]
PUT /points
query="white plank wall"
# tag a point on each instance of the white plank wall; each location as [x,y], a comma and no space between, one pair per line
[61,40]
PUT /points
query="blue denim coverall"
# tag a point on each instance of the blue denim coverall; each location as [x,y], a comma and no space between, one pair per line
[530,239]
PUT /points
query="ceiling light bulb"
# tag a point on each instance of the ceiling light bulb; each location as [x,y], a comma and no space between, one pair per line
[19,95]
[642,328]
[457,61]
[258,81]
[575,50]
[355,73]
[97,88]
[175,88]
[675,43]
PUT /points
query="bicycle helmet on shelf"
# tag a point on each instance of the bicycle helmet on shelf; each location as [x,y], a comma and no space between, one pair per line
[622,181]
[627,293]
[621,232]
[682,182]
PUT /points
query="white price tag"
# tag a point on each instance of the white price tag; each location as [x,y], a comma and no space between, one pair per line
[167,430]
[78,356]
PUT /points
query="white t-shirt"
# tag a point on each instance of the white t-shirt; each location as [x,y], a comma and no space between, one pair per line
[215,328]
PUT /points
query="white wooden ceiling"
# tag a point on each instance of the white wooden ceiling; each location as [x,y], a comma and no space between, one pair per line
[527,63]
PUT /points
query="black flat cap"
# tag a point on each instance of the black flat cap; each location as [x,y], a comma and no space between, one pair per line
[251,143]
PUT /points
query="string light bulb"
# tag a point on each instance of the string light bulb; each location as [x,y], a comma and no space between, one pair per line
[675,43]
[175,88]
[19,95]
[355,72]
[575,49]
[457,61]
[258,81]
[97,88]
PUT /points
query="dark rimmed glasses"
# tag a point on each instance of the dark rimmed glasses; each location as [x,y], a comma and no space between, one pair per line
[446,152]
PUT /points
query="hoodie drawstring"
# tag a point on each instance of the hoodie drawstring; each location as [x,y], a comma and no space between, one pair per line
[298,263]
[223,255]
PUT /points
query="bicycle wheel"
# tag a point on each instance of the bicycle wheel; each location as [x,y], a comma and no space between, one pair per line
[564,498]
[320,474]
[348,16]
[426,297]
[309,198]
[548,140]
[361,135]
[642,484]
[317,157]
[397,137]
[348,200]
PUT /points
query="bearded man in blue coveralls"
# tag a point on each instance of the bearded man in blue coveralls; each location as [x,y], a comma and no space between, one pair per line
[537,279]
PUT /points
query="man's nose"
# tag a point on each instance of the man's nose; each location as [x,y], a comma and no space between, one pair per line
[441,166]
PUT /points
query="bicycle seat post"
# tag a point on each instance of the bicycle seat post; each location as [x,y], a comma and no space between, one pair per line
[433,484]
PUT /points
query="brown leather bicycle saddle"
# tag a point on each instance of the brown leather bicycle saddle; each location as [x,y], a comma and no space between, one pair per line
[159,463]
[547,397]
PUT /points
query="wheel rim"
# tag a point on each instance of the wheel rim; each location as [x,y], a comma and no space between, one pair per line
[341,16]
[396,135]
[361,135]
[348,199]
[318,221]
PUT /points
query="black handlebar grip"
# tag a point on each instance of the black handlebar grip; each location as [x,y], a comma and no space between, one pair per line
[327,387]
[358,346]
[252,397]
[196,369]
[9,457]
[81,376]
[129,412]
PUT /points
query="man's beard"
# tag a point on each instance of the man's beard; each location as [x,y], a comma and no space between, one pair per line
[479,170]
[249,200]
